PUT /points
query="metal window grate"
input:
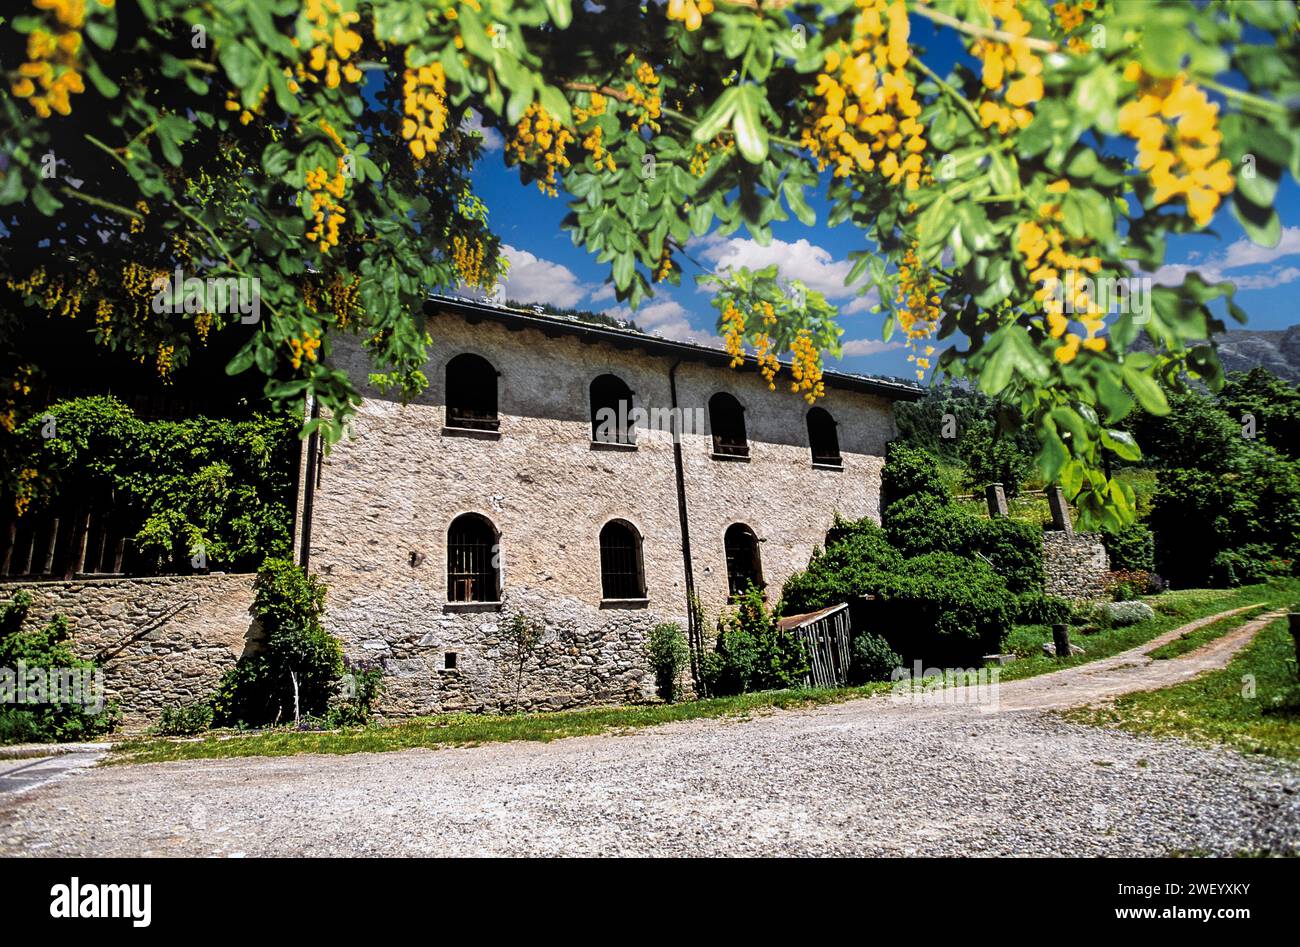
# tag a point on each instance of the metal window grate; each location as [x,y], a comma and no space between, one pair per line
[620,562]
[471,561]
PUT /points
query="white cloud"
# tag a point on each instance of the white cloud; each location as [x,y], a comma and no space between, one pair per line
[862,303]
[869,347]
[800,260]
[667,318]
[606,291]
[1238,255]
[473,122]
[534,280]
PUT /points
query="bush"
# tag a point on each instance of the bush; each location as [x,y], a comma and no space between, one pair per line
[74,715]
[1126,585]
[359,691]
[910,472]
[1037,608]
[752,652]
[872,659]
[299,671]
[993,458]
[668,655]
[854,563]
[184,721]
[1131,549]
[945,610]
[921,524]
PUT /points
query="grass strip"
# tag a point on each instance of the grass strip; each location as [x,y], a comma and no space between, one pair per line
[1252,705]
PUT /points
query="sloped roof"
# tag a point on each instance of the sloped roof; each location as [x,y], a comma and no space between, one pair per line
[473,311]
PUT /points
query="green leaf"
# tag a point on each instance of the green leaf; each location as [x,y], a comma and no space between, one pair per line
[1122,443]
[747,123]
[1147,390]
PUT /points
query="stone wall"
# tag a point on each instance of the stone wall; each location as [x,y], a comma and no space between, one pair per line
[389,490]
[160,642]
[1075,563]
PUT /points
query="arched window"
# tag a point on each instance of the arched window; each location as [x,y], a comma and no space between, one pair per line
[727,419]
[744,568]
[472,573]
[823,438]
[471,393]
[621,574]
[611,411]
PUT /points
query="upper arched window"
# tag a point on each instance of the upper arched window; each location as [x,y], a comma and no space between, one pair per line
[611,411]
[823,438]
[744,567]
[621,573]
[471,393]
[727,419]
[473,573]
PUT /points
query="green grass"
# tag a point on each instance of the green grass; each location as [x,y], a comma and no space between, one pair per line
[473,729]
[1220,707]
[1203,635]
[1172,609]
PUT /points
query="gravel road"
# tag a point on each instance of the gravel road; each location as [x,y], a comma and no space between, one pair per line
[870,777]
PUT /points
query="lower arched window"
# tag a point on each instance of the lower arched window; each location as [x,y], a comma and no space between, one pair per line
[744,568]
[621,573]
[473,573]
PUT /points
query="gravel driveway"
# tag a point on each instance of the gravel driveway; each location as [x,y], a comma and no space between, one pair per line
[874,776]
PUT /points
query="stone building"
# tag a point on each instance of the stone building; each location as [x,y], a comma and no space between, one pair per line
[577,480]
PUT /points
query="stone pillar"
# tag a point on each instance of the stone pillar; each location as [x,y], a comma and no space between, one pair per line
[996,497]
[1061,640]
[1060,510]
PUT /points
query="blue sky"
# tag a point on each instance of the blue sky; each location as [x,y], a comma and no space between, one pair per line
[547,267]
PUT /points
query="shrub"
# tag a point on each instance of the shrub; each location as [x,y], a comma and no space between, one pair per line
[298,672]
[1125,585]
[854,563]
[921,524]
[358,692]
[993,458]
[668,655]
[47,649]
[185,720]
[910,472]
[1037,608]
[752,652]
[872,659]
[1131,549]
[1247,565]
[945,610]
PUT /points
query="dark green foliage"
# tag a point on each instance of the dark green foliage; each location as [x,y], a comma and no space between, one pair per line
[910,472]
[363,684]
[944,609]
[46,648]
[1036,608]
[220,485]
[990,458]
[1195,434]
[856,559]
[184,721]
[920,524]
[668,655]
[752,653]
[1228,527]
[921,423]
[1274,405]
[261,688]
[872,659]
[1131,549]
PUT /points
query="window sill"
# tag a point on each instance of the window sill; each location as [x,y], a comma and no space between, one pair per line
[624,602]
[613,445]
[735,458]
[472,432]
[470,607]
[824,466]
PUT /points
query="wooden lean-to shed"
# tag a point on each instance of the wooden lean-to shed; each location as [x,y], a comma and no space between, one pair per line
[826,634]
